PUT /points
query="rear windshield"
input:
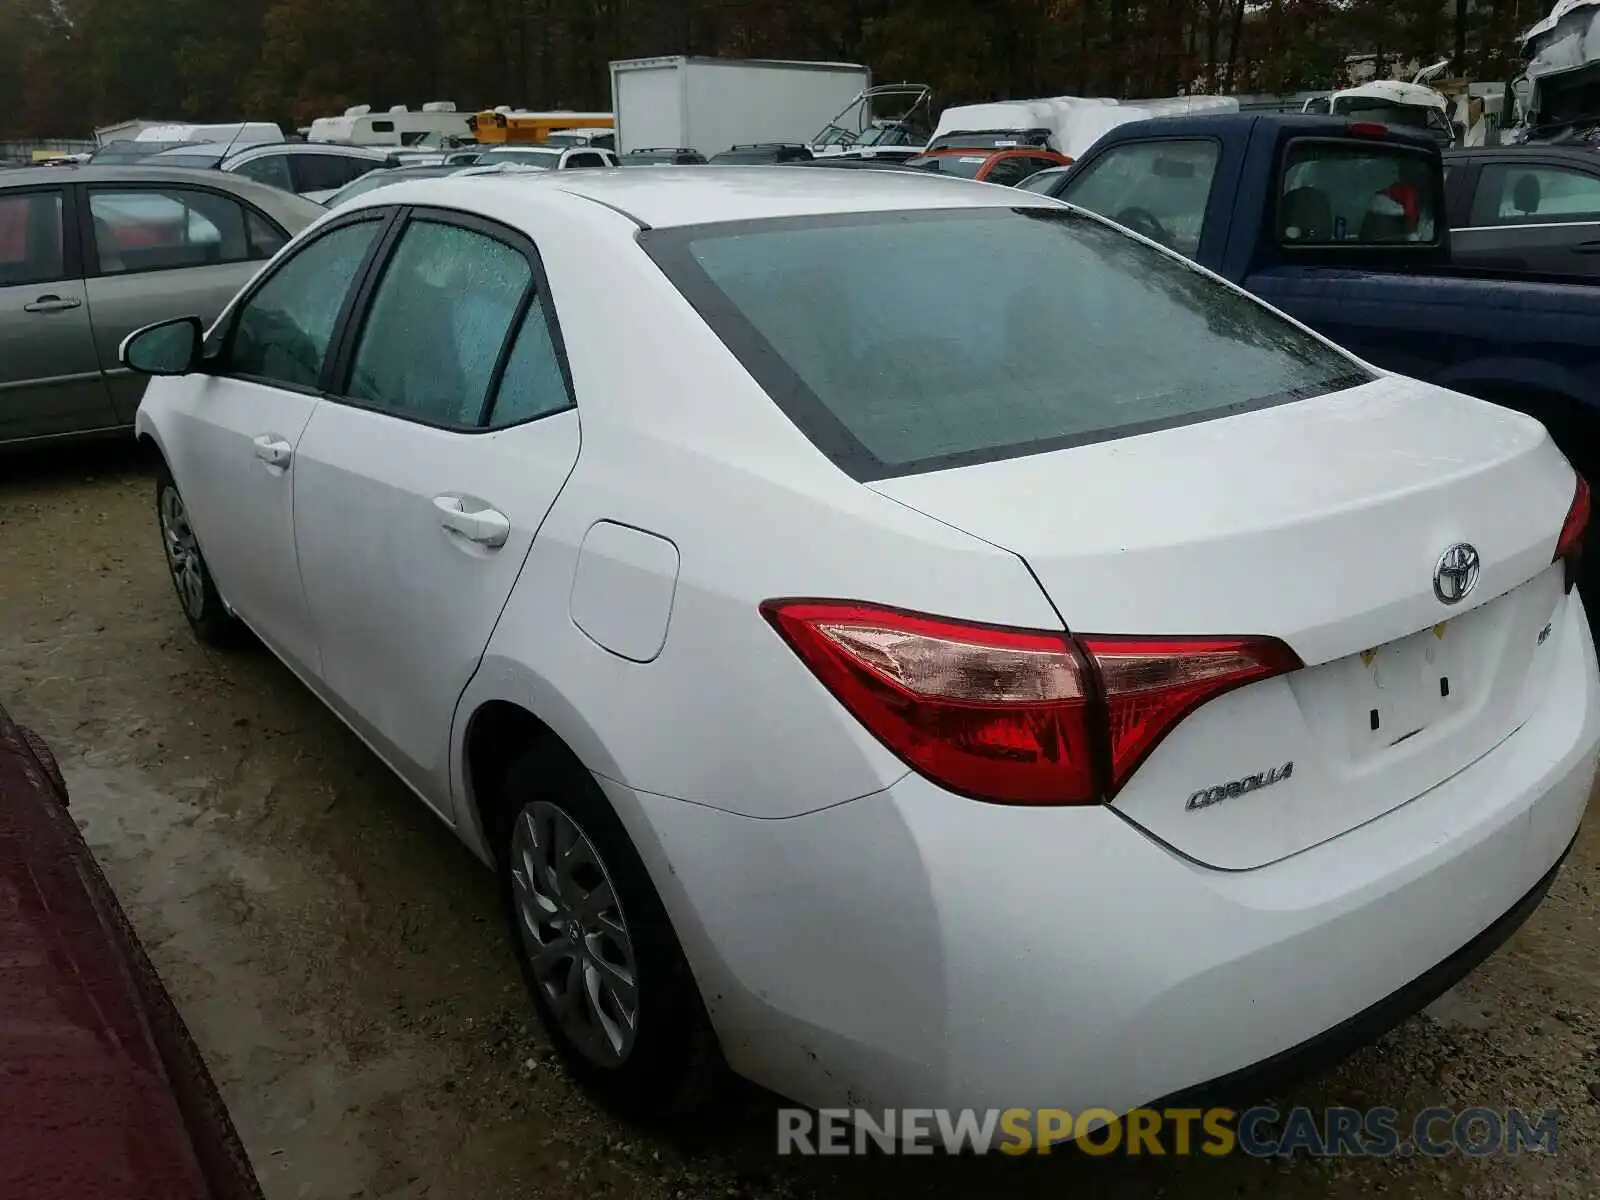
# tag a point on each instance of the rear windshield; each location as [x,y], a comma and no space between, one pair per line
[965,165]
[901,342]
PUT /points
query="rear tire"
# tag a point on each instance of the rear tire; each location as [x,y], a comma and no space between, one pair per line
[596,946]
[191,577]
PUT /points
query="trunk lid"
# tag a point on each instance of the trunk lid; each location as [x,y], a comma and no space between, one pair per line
[1321,523]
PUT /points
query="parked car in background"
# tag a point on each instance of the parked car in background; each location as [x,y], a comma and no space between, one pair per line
[1332,734]
[541,159]
[599,139]
[1005,167]
[104,1092]
[373,180]
[315,170]
[761,152]
[88,254]
[662,157]
[1532,209]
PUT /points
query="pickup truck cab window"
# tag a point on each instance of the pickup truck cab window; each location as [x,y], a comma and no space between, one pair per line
[1158,189]
[1338,193]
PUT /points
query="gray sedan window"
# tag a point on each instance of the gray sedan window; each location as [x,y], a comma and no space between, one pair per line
[30,238]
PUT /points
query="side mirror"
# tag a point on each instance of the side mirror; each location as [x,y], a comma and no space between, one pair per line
[166,348]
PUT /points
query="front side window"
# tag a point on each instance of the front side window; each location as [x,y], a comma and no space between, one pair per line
[1341,194]
[894,344]
[31,249]
[1157,189]
[282,331]
[438,321]
[270,169]
[1543,195]
[156,229]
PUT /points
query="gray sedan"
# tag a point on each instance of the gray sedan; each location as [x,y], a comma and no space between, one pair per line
[89,254]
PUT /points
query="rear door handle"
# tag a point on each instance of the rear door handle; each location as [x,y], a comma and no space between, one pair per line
[52,304]
[1587,248]
[485,526]
[273,451]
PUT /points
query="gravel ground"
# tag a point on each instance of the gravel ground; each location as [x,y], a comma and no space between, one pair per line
[340,959]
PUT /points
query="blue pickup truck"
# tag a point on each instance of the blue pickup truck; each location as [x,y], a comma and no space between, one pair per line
[1342,225]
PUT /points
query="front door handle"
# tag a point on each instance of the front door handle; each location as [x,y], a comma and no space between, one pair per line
[485,526]
[273,451]
[52,304]
[1587,248]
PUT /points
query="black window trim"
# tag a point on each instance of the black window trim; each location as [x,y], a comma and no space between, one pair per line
[71,231]
[670,250]
[216,363]
[341,359]
[1441,225]
[91,254]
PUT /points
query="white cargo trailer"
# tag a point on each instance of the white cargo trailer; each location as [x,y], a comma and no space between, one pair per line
[711,104]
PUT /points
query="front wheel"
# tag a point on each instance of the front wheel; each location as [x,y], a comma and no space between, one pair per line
[191,578]
[596,947]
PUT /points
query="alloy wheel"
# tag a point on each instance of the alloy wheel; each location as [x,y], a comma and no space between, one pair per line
[575,933]
[183,553]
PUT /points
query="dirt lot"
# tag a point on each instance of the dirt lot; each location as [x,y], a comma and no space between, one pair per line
[341,961]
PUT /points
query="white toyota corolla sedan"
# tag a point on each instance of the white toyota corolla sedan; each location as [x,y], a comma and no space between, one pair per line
[903,637]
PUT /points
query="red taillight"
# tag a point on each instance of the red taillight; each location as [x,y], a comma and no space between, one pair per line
[1152,683]
[1368,129]
[1014,716]
[1569,546]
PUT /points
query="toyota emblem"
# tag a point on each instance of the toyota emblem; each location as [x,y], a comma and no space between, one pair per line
[1457,573]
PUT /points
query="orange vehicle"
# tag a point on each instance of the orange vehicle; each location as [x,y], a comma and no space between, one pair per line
[1007,167]
[498,126]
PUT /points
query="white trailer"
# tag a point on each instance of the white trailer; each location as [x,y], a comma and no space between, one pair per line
[711,104]
[360,126]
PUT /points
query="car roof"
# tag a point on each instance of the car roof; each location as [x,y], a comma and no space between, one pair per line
[1575,154]
[689,195]
[284,207]
[377,154]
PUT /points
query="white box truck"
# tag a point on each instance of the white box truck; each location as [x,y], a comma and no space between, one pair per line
[711,104]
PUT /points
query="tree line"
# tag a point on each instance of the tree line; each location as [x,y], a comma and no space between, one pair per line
[69,65]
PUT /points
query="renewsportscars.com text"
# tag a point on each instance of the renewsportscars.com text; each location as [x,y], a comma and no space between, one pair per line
[1213,1132]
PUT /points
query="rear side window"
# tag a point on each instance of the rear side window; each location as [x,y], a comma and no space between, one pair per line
[30,238]
[438,322]
[894,344]
[1341,194]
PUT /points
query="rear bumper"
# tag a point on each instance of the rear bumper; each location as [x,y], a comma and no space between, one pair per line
[915,949]
[1318,1053]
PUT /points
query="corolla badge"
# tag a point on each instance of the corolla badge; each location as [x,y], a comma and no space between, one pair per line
[1457,573]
